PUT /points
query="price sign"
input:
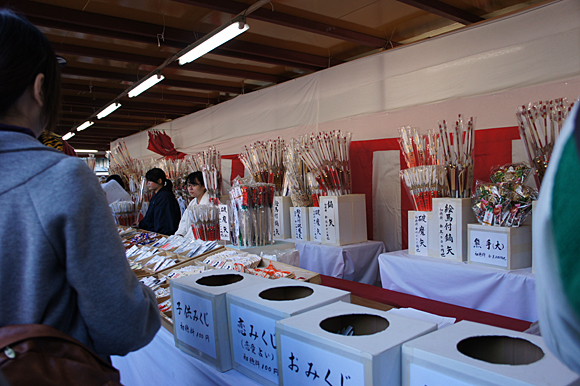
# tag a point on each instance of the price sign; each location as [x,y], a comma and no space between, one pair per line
[306,364]
[298,223]
[224,222]
[488,247]
[329,213]
[448,248]
[276,210]
[315,228]
[193,321]
[421,230]
[254,342]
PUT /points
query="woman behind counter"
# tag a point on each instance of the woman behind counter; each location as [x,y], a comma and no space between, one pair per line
[163,214]
[197,191]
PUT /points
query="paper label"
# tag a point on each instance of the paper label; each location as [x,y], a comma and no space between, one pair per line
[315,228]
[488,247]
[328,213]
[277,210]
[421,376]
[421,230]
[305,364]
[298,223]
[193,321]
[224,222]
[448,248]
[254,342]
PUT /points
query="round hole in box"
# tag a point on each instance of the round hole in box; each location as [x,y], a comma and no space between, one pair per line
[219,280]
[502,350]
[362,324]
[293,292]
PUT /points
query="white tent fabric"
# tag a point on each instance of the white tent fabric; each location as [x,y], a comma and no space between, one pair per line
[537,47]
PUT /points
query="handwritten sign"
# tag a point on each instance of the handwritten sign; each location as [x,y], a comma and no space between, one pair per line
[299,223]
[305,364]
[277,211]
[254,342]
[193,321]
[329,218]
[421,231]
[488,247]
[421,376]
[448,247]
[224,222]
[315,228]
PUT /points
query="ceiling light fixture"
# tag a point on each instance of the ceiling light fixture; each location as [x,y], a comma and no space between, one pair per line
[108,110]
[145,85]
[68,136]
[85,125]
[212,40]
[86,151]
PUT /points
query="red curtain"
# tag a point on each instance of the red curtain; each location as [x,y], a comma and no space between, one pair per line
[161,143]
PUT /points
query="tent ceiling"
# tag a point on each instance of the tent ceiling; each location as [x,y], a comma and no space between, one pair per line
[110,44]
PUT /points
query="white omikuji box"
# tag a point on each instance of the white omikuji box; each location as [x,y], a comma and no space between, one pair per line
[252,317]
[343,219]
[315,223]
[500,247]
[299,223]
[199,320]
[436,360]
[370,360]
[423,233]
[452,216]
[281,214]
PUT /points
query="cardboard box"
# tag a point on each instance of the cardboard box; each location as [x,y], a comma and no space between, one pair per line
[299,223]
[200,314]
[310,344]
[343,219]
[469,353]
[253,313]
[281,214]
[423,233]
[315,227]
[500,247]
[452,216]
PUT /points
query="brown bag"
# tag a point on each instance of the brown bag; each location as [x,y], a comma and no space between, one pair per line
[37,354]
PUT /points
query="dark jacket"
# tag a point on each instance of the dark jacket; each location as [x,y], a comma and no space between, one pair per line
[163,214]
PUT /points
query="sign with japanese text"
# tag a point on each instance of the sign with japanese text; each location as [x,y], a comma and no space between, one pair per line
[298,223]
[488,247]
[193,321]
[421,230]
[254,342]
[329,220]
[448,224]
[306,364]
[224,222]
[315,228]
[277,212]
[421,376]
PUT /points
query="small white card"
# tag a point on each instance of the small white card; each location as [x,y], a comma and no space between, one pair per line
[193,321]
[299,223]
[276,210]
[224,222]
[421,230]
[488,248]
[448,248]
[328,213]
[315,228]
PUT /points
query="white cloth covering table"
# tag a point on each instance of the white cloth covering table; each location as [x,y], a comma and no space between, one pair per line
[508,293]
[161,363]
[355,262]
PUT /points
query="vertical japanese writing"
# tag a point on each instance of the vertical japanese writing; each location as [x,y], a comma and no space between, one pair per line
[315,227]
[421,233]
[277,218]
[329,210]
[224,222]
[448,231]
[298,221]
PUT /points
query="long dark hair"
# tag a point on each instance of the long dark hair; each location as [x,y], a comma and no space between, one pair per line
[24,53]
[157,174]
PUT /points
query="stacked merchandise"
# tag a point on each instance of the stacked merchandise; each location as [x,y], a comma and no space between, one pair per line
[251,207]
[264,162]
[539,125]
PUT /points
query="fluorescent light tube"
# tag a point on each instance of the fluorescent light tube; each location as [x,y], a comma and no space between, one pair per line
[68,136]
[108,110]
[85,125]
[86,151]
[214,41]
[146,85]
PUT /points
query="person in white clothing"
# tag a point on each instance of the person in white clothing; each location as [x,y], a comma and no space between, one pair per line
[197,191]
